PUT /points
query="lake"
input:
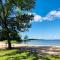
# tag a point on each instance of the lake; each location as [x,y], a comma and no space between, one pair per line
[43,42]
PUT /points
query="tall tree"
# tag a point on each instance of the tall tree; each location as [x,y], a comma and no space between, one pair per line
[14,17]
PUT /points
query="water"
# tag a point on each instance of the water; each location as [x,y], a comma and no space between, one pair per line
[43,42]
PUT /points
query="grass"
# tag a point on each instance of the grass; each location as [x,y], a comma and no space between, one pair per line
[16,54]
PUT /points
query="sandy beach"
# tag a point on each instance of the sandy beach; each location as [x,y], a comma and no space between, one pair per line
[42,49]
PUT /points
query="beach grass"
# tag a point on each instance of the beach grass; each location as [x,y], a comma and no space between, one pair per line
[16,54]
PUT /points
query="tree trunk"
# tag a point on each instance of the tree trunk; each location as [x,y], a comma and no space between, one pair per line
[9,45]
[4,20]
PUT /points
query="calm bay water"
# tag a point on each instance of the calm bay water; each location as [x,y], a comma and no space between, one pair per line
[43,42]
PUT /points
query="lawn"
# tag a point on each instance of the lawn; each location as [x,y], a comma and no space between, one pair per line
[16,54]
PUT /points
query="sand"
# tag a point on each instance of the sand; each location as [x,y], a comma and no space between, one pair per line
[42,49]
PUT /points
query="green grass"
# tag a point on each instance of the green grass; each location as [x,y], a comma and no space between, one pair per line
[16,54]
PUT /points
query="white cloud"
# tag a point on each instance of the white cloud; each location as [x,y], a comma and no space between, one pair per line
[37,18]
[57,14]
[52,15]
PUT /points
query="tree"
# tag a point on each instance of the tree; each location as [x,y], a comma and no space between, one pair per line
[13,17]
[26,37]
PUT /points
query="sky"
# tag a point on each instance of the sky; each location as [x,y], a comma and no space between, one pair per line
[46,24]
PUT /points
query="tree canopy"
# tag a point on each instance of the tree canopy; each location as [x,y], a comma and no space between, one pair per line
[14,17]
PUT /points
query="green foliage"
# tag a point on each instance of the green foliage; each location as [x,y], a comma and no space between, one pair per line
[0,8]
[49,57]
[16,54]
[23,4]
[20,22]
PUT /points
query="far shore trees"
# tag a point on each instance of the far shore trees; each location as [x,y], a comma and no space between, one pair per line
[14,18]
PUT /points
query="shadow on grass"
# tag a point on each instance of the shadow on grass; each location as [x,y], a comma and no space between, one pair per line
[24,53]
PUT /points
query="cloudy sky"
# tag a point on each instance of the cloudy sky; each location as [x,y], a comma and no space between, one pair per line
[46,23]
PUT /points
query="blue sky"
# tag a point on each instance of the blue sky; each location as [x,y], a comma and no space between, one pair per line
[46,24]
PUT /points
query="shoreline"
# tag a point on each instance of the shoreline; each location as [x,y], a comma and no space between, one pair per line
[2,44]
[42,49]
